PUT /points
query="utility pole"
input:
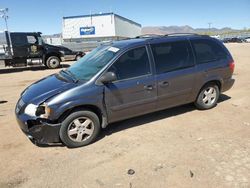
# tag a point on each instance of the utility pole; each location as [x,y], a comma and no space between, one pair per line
[209,26]
[3,14]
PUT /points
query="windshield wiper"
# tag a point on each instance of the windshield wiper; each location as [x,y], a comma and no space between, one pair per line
[72,76]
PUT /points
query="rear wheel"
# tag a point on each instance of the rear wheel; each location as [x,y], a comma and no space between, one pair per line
[79,129]
[78,57]
[53,62]
[208,97]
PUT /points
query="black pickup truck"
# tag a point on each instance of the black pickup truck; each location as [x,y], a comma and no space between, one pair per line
[28,48]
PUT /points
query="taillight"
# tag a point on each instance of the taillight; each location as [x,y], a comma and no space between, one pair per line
[231,66]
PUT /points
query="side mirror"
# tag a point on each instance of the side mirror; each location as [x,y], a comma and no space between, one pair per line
[108,77]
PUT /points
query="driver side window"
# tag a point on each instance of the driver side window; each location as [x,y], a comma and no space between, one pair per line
[32,39]
[131,64]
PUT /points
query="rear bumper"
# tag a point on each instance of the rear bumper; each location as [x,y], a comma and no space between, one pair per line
[38,131]
[228,84]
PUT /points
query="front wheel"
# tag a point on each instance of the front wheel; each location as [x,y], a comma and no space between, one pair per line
[208,97]
[80,128]
[53,62]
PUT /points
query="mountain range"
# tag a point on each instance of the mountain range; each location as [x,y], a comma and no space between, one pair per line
[161,30]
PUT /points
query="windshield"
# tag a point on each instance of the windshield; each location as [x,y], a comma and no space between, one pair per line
[41,41]
[90,64]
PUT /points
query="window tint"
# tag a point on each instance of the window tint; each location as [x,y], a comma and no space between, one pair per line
[171,56]
[133,63]
[207,50]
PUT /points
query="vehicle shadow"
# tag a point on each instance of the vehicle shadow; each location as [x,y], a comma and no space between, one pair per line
[155,116]
[30,68]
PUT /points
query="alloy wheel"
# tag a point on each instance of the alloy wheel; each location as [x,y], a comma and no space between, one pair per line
[80,129]
[209,96]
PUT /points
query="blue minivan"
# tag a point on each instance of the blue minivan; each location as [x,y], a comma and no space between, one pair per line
[124,79]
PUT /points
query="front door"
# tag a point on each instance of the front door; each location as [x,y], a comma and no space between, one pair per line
[134,91]
[175,72]
[35,48]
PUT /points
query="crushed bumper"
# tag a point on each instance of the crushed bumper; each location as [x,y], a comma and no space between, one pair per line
[39,132]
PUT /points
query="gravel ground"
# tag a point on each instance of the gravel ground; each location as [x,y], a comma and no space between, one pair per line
[178,147]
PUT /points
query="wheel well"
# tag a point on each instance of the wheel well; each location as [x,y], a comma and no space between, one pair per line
[92,108]
[52,54]
[217,82]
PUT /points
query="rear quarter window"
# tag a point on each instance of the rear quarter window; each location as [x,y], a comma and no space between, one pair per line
[207,50]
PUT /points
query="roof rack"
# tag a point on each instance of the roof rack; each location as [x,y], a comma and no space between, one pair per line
[167,35]
[176,34]
[148,36]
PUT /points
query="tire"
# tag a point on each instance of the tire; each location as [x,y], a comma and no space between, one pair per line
[80,128]
[78,57]
[208,97]
[53,62]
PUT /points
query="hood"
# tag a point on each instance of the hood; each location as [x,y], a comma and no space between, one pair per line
[62,48]
[53,47]
[46,88]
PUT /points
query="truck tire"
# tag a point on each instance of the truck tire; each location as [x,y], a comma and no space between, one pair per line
[53,62]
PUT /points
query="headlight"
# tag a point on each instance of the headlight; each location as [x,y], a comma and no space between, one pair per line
[31,110]
[43,111]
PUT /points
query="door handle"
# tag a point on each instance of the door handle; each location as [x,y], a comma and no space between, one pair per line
[164,84]
[149,87]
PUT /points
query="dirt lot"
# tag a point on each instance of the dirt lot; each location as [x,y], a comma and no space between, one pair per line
[179,147]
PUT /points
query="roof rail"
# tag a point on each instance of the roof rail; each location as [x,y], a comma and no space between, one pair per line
[148,36]
[176,34]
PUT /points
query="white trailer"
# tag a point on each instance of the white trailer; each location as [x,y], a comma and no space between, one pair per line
[98,27]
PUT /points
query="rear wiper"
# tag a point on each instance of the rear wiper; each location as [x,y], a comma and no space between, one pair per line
[71,75]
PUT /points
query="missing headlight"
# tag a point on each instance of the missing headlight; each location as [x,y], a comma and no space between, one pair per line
[40,110]
[43,111]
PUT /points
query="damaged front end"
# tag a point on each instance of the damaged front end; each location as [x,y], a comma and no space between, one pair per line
[33,121]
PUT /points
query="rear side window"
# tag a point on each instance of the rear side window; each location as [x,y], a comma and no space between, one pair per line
[207,50]
[132,63]
[171,56]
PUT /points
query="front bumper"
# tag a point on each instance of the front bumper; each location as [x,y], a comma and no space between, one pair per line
[227,84]
[39,131]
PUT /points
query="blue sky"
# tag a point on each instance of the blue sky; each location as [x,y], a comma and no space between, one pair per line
[46,15]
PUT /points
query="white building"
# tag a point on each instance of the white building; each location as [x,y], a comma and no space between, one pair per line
[98,27]
[54,40]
